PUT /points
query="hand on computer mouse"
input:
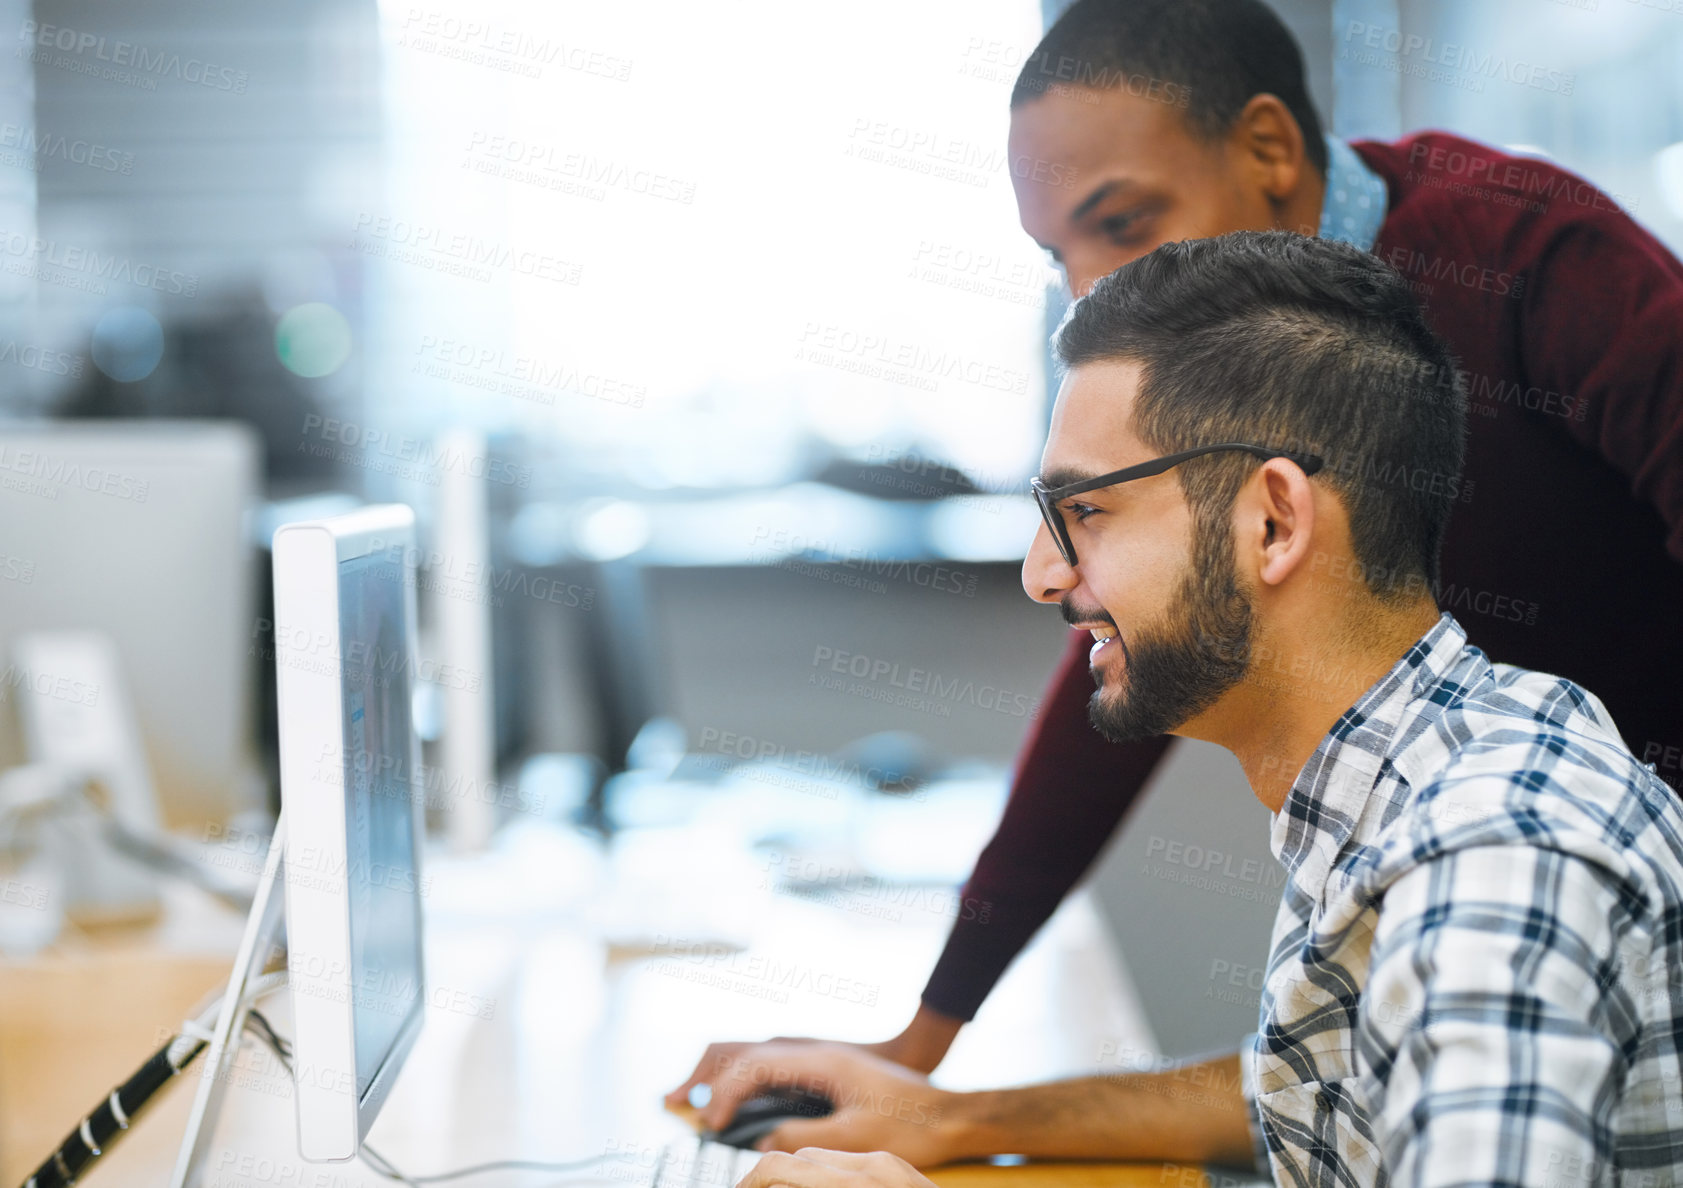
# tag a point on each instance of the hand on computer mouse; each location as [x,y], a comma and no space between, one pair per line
[765,1112]
[879,1105]
[919,1047]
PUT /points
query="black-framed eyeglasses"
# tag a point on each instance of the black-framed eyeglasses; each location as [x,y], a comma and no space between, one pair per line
[1049,497]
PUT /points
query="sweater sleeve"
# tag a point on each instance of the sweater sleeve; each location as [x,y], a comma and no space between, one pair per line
[1071,789]
[1603,325]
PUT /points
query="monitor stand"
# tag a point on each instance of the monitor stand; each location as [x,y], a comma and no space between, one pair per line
[263,929]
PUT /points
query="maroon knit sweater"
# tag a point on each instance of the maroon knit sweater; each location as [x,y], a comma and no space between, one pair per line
[1564,551]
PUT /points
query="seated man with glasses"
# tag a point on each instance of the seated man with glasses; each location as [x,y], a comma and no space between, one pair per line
[1472,977]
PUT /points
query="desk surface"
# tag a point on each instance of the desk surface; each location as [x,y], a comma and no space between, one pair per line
[548,1036]
[1069,1175]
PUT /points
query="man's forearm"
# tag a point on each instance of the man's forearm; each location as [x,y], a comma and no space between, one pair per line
[1193,1113]
[924,1042]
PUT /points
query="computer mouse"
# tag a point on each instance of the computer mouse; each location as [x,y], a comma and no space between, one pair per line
[765,1112]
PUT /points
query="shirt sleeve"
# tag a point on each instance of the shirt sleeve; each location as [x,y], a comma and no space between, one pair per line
[1603,326]
[1071,789]
[1488,1040]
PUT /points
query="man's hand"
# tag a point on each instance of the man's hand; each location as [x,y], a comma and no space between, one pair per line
[718,1061]
[920,1047]
[1189,1113]
[879,1105]
[814,1167]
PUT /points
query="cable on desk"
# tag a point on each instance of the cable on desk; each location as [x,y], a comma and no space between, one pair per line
[383,1166]
[106,1123]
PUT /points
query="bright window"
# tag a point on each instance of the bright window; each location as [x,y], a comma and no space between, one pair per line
[710,245]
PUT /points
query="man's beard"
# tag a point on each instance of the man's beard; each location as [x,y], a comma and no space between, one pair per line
[1175,671]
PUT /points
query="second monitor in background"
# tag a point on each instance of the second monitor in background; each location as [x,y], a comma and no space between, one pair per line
[139,531]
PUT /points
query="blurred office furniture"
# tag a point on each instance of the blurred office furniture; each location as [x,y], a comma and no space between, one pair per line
[85,773]
[748,613]
[139,530]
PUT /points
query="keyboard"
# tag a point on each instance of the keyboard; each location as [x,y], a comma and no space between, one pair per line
[699,1163]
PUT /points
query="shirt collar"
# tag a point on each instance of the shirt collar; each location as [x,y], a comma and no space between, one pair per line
[1330,793]
[1354,206]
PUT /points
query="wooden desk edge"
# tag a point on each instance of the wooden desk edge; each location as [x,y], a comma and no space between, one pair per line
[1050,1174]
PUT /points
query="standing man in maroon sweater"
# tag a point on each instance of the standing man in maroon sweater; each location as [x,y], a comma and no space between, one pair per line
[1183,119]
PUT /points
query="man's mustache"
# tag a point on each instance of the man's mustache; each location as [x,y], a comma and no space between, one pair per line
[1073,614]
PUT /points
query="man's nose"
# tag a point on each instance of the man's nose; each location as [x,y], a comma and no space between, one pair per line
[1047,577]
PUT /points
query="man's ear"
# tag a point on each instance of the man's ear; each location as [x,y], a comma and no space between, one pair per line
[1267,135]
[1283,520]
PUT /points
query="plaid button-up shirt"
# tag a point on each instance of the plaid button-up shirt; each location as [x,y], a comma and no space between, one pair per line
[1476,974]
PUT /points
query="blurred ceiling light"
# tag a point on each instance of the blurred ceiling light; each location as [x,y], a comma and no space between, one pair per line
[610,529]
[313,339]
[127,343]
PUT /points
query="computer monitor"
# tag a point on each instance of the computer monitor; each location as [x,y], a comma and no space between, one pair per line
[139,531]
[345,661]
[347,847]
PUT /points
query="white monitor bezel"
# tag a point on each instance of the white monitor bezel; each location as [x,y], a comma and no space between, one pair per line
[333,1119]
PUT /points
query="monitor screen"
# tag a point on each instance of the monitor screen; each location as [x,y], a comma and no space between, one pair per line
[381,881]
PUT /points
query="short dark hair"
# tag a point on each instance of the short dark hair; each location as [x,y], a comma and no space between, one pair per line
[1295,343]
[1217,54]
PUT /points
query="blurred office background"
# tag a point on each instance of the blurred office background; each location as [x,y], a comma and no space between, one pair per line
[704,341]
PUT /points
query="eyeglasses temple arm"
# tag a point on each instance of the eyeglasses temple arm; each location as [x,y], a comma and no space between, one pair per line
[1309,463]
